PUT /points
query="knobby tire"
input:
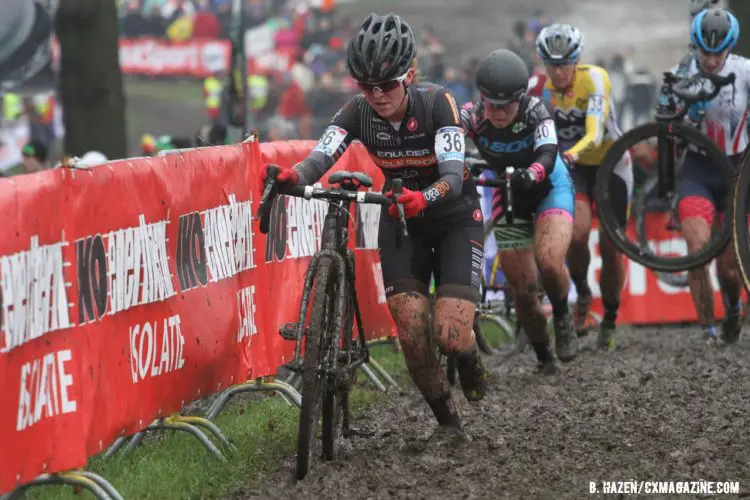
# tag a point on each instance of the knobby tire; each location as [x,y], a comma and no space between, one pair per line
[740,231]
[608,218]
[336,398]
[316,345]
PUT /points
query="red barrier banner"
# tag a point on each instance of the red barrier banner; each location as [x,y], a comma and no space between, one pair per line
[135,287]
[645,299]
[158,57]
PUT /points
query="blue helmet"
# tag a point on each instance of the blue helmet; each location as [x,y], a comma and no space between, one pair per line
[714,31]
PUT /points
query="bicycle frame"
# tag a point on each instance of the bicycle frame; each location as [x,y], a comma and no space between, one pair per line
[333,246]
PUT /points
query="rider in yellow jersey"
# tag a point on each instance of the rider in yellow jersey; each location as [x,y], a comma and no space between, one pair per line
[581,96]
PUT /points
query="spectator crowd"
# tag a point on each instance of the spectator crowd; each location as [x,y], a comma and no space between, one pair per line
[297,102]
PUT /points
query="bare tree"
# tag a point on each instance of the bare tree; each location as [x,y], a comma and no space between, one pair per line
[90,79]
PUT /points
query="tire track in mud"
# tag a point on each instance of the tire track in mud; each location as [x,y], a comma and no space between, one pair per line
[664,406]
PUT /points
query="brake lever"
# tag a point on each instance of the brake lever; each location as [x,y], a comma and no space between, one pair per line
[269,193]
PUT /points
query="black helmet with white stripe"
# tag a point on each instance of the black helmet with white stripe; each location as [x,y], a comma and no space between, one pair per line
[382,49]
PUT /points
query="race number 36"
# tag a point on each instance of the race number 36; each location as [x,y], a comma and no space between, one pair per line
[331,140]
[449,144]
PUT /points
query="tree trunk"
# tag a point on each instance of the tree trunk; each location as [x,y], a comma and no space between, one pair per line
[90,80]
[741,9]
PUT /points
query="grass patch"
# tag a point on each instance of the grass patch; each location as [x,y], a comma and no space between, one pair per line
[175,466]
[264,429]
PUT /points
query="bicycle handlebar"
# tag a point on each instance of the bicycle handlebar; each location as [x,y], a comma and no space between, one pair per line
[476,165]
[503,183]
[273,188]
[330,193]
[679,88]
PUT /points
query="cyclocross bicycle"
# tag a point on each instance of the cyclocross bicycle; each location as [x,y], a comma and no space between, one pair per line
[671,134]
[331,353]
[509,233]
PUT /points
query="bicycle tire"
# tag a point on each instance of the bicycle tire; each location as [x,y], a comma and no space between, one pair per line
[608,218]
[482,344]
[502,323]
[639,210]
[332,411]
[312,379]
[740,231]
[335,397]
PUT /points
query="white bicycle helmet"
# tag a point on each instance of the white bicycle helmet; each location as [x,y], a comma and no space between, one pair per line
[559,44]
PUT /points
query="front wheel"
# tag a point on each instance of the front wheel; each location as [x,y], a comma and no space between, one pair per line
[336,400]
[740,231]
[675,132]
[317,343]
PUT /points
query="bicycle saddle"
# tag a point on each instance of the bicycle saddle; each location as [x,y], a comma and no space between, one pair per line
[342,175]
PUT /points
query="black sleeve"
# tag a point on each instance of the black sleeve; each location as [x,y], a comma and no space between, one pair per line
[449,149]
[343,129]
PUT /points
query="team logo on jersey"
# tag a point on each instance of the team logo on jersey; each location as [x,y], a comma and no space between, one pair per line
[382,136]
[411,124]
[518,127]
[477,215]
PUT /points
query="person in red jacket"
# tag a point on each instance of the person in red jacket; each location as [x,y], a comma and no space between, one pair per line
[536,83]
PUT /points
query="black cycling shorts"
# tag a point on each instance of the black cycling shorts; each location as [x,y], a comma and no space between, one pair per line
[450,247]
[584,181]
[700,178]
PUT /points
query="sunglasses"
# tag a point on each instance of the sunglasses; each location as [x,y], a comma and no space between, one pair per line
[383,87]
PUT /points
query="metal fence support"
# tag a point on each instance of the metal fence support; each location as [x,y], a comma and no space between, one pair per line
[373,378]
[381,371]
[209,426]
[181,423]
[258,385]
[97,485]
[114,447]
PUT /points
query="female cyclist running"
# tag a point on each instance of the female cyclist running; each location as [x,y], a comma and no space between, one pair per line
[581,95]
[413,132]
[714,33]
[512,129]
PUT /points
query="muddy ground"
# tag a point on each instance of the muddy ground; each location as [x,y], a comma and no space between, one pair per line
[664,406]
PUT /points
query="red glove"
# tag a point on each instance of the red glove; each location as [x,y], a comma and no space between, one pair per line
[413,202]
[287,176]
